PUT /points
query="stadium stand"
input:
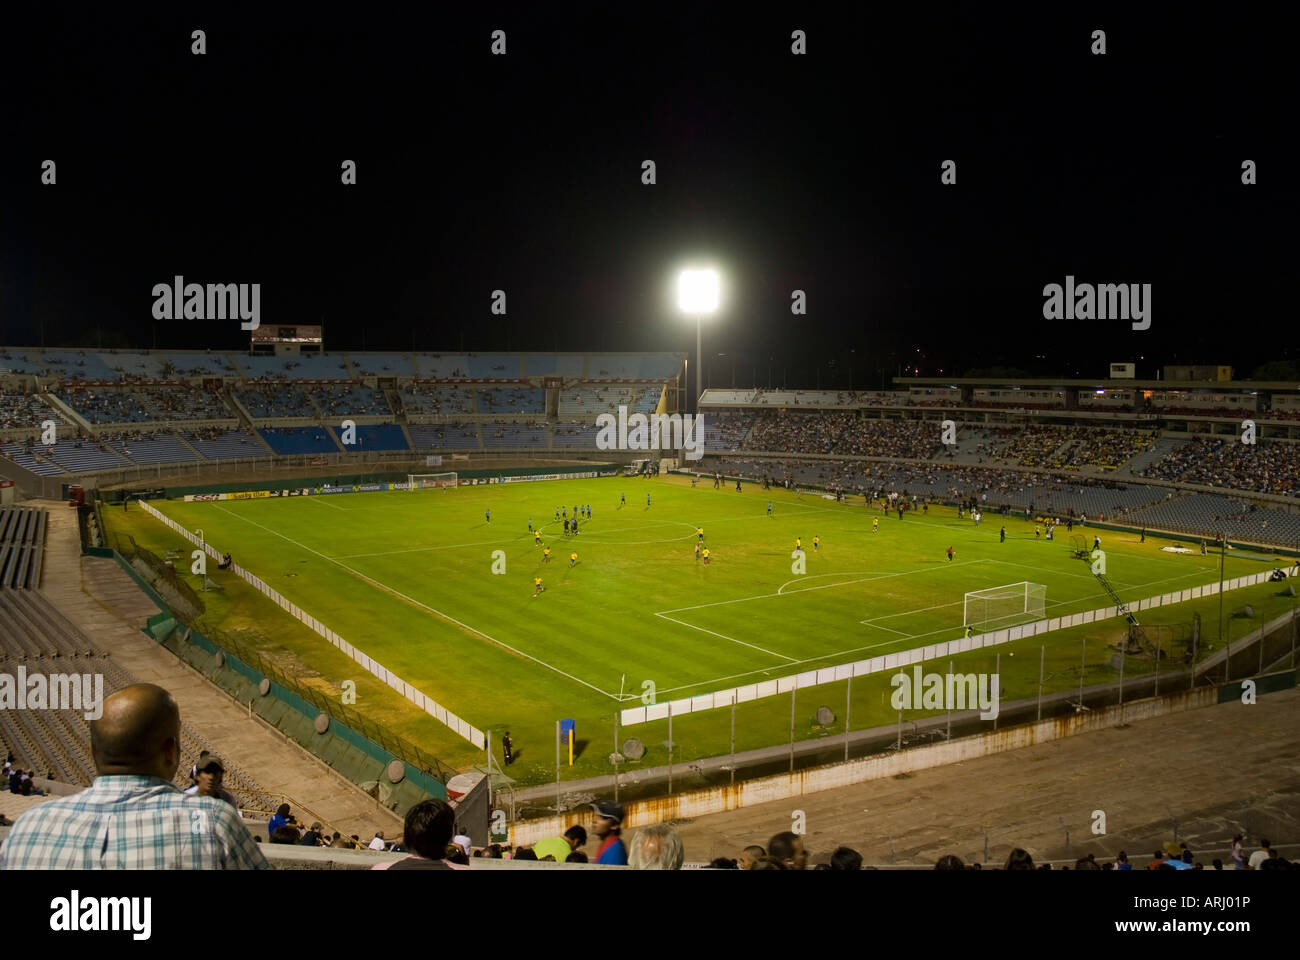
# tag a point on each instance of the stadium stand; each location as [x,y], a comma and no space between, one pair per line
[435,401]
[183,403]
[382,364]
[445,436]
[225,444]
[1207,514]
[302,367]
[287,441]
[99,405]
[375,436]
[591,401]
[25,456]
[1266,467]
[83,456]
[512,401]
[514,435]
[150,449]
[22,546]
[265,402]
[35,634]
[26,411]
[341,401]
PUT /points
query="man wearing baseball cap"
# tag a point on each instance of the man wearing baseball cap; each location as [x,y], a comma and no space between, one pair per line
[609,824]
[208,774]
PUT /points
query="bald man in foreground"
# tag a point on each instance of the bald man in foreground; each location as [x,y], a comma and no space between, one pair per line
[132,818]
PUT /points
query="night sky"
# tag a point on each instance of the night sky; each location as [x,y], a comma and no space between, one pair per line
[523,172]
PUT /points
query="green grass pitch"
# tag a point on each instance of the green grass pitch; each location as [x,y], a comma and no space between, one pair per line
[408,578]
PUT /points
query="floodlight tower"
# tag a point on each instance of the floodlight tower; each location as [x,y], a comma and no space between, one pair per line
[697,293]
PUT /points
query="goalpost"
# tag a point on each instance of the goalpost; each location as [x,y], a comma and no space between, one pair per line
[430,481]
[1010,604]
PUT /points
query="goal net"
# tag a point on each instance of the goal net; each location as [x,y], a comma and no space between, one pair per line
[999,607]
[430,481]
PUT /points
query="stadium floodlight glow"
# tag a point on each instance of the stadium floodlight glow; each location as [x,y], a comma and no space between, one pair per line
[697,293]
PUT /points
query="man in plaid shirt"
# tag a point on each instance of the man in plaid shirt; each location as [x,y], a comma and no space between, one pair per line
[132,818]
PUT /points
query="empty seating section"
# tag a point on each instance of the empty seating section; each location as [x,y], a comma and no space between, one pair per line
[83,456]
[135,366]
[26,458]
[26,411]
[151,449]
[514,435]
[183,403]
[494,367]
[265,402]
[728,396]
[445,436]
[591,401]
[355,401]
[580,434]
[382,364]
[442,366]
[377,436]
[613,367]
[22,546]
[512,400]
[226,444]
[34,634]
[1208,514]
[301,367]
[99,405]
[77,365]
[431,401]
[287,441]
[197,365]
[20,362]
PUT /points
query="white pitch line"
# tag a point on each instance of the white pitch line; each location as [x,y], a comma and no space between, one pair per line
[325,503]
[414,602]
[752,646]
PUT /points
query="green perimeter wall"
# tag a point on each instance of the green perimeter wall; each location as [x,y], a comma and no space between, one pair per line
[353,755]
[351,479]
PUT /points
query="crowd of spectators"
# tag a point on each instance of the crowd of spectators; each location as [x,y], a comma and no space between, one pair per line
[1269,466]
[25,411]
[340,400]
[266,401]
[435,400]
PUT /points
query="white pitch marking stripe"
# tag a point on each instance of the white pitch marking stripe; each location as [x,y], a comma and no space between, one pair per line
[438,613]
[732,639]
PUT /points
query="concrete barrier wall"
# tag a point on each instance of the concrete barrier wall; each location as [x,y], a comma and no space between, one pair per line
[784,786]
[425,703]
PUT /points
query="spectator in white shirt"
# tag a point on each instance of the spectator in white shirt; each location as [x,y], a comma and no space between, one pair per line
[378,842]
[1260,855]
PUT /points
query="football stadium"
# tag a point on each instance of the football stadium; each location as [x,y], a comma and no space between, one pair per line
[712,511]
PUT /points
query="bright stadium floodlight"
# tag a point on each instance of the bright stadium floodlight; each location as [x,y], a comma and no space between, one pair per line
[697,293]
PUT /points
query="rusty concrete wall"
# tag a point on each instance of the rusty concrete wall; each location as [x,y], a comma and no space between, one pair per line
[784,786]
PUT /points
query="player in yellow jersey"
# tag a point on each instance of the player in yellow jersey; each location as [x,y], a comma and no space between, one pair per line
[537,538]
[875,524]
[706,556]
[546,554]
[537,586]
[817,542]
[798,543]
[573,558]
[700,532]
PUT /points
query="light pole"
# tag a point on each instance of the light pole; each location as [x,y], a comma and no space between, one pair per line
[697,294]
